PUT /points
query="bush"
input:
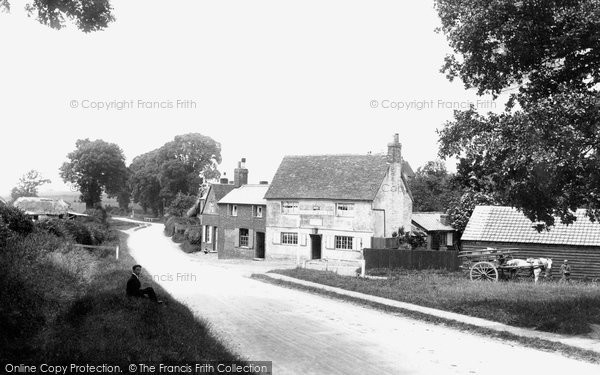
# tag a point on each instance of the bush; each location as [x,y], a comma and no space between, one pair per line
[97,214]
[4,232]
[84,233]
[193,235]
[16,220]
[181,204]
[52,226]
[116,211]
[173,221]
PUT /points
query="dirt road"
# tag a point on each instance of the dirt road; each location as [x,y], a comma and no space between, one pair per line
[304,333]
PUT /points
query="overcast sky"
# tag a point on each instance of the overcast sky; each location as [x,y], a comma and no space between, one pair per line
[266,78]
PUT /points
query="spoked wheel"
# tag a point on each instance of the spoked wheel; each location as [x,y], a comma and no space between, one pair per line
[485,271]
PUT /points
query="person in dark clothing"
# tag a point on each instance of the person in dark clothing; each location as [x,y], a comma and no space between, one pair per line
[134,286]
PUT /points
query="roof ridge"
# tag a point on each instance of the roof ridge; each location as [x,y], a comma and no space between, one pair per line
[347,154]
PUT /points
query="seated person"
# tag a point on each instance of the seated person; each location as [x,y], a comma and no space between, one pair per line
[134,286]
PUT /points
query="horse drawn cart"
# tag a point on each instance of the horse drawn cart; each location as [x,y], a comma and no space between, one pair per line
[491,264]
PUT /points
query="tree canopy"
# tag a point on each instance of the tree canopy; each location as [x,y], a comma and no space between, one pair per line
[95,167]
[28,185]
[178,167]
[88,15]
[433,188]
[541,154]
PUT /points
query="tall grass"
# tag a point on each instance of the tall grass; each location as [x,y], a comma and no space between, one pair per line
[546,306]
[61,303]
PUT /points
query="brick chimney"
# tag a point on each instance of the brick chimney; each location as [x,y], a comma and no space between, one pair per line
[395,150]
[240,174]
[445,219]
[224,179]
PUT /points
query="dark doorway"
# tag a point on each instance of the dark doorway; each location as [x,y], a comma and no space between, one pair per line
[315,246]
[260,245]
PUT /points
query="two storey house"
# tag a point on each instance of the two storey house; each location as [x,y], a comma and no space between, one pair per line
[330,206]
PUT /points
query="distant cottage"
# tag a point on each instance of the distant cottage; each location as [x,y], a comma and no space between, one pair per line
[505,227]
[329,206]
[42,208]
[440,234]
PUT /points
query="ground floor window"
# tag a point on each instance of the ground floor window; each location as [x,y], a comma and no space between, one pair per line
[244,237]
[343,242]
[289,238]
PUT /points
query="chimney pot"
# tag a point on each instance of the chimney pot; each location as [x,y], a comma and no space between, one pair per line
[396,138]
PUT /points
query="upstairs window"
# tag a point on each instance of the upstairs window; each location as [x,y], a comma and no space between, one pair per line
[233,210]
[289,207]
[344,209]
[258,211]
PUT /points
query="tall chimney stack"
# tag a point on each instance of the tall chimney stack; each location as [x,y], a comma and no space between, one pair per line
[240,174]
[395,150]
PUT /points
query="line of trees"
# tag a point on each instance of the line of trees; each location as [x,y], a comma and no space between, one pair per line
[171,174]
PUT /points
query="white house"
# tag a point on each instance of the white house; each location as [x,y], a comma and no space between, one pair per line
[329,206]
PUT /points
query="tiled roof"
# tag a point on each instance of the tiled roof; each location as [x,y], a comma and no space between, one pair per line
[246,194]
[506,224]
[353,177]
[407,169]
[221,190]
[430,221]
[41,206]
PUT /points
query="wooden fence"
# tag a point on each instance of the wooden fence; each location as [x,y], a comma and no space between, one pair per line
[411,259]
[384,242]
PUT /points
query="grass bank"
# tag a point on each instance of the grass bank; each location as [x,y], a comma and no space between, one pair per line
[550,307]
[66,304]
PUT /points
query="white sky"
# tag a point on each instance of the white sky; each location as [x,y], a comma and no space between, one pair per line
[269,78]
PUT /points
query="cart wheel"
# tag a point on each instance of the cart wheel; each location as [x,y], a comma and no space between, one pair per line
[485,271]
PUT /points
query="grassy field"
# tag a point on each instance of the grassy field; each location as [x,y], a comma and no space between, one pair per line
[551,307]
[69,305]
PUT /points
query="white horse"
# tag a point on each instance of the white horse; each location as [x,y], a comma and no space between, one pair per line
[535,264]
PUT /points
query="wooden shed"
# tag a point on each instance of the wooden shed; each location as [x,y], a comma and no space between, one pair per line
[506,227]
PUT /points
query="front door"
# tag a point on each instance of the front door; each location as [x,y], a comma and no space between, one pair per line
[260,244]
[315,245]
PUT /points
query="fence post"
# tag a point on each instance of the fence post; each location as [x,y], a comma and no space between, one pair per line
[117,252]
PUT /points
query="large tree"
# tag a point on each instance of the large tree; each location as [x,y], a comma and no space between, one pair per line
[542,154]
[178,167]
[144,182]
[28,185]
[88,15]
[433,188]
[95,167]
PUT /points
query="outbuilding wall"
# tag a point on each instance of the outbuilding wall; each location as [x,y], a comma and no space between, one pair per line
[584,260]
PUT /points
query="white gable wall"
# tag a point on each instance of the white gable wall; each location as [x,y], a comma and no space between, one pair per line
[393,199]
